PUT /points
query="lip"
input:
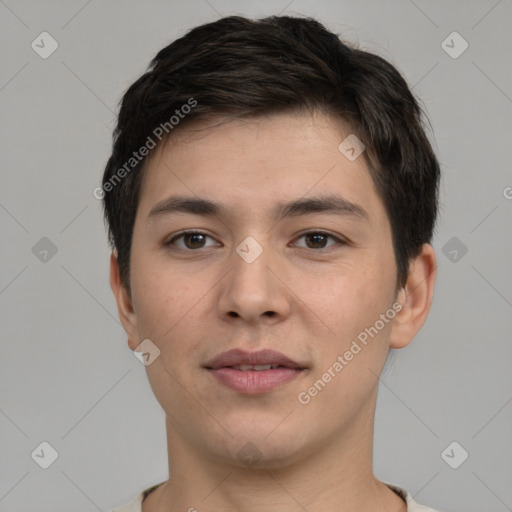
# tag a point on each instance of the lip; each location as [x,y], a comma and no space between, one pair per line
[237,357]
[253,382]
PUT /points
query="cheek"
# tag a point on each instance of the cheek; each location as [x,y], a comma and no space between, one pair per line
[163,300]
[351,296]
[170,312]
[350,360]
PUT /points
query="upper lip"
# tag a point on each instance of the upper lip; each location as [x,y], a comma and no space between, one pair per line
[238,357]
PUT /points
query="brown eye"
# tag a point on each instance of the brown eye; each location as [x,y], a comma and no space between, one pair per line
[191,240]
[318,240]
[194,240]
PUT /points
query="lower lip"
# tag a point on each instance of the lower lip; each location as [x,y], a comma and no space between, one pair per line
[253,382]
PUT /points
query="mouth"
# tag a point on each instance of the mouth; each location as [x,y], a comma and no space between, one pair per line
[253,373]
[255,367]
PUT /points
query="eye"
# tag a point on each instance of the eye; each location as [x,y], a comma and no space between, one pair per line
[318,240]
[191,240]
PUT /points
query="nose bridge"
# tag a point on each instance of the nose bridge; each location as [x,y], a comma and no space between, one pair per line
[250,272]
[252,289]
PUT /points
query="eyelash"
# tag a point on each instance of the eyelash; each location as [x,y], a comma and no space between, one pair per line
[313,232]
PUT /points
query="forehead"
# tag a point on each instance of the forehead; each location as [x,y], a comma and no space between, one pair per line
[259,162]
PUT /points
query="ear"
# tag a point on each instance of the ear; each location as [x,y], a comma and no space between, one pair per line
[415,298]
[124,303]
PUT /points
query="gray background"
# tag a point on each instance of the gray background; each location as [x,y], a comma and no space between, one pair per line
[66,374]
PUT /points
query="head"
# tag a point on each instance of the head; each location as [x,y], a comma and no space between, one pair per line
[246,116]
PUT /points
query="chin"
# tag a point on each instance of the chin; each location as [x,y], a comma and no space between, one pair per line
[262,448]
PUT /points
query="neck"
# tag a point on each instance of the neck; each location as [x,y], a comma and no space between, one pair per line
[334,476]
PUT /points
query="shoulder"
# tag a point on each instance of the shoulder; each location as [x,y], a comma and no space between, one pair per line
[412,506]
[136,504]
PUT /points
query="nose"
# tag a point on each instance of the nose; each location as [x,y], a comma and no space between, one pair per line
[254,290]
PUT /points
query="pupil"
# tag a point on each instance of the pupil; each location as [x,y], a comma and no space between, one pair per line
[195,240]
[318,239]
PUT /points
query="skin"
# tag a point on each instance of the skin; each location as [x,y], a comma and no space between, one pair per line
[306,299]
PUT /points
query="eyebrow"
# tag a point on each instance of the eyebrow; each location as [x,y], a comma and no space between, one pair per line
[322,204]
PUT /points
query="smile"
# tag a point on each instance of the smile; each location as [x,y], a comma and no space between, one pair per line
[253,373]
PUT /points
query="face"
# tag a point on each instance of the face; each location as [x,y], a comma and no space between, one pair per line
[281,245]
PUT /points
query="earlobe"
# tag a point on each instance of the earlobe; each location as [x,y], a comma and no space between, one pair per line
[415,298]
[124,302]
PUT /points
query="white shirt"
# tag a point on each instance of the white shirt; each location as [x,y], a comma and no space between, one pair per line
[136,504]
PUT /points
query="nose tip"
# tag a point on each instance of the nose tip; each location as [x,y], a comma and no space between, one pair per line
[251,291]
